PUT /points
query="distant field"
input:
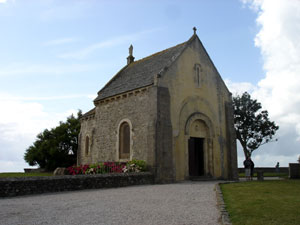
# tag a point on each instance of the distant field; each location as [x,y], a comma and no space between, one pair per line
[283,175]
[3,175]
[263,203]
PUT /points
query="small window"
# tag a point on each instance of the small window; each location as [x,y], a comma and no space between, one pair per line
[197,75]
[124,141]
[87,145]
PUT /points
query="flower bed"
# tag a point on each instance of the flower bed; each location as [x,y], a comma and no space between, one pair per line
[109,167]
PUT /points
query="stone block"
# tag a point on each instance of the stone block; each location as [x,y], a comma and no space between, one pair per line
[260,175]
[294,170]
[60,171]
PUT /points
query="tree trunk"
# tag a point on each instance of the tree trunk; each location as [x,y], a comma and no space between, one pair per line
[246,152]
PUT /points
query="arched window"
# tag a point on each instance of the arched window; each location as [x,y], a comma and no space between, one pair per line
[198,75]
[87,145]
[124,141]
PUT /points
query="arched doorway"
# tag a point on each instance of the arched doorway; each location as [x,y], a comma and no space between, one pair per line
[196,156]
[199,150]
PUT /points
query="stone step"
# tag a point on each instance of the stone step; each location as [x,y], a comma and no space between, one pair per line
[202,178]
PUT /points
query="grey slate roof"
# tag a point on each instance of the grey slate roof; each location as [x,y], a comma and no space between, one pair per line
[141,73]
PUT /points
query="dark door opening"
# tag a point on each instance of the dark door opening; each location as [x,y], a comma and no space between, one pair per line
[196,156]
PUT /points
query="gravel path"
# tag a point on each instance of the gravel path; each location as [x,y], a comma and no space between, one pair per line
[181,203]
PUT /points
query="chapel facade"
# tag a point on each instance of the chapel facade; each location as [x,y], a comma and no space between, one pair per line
[171,109]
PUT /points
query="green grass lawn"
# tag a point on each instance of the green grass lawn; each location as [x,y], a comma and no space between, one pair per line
[4,175]
[263,203]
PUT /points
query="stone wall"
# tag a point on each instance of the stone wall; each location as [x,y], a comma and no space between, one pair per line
[200,99]
[10,187]
[267,169]
[88,128]
[138,108]
[231,142]
[164,153]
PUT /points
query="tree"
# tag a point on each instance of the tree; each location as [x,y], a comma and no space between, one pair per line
[56,147]
[252,125]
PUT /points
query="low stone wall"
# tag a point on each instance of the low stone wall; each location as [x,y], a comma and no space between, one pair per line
[10,187]
[267,170]
[34,170]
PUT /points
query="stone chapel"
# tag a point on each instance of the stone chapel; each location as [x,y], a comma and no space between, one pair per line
[171,109]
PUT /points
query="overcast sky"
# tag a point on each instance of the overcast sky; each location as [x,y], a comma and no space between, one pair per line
[55,55]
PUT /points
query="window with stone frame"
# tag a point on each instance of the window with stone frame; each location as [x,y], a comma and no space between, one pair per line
[197,75]
[124,141]
[87,145]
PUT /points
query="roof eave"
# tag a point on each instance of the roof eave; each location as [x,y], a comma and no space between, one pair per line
[121,93]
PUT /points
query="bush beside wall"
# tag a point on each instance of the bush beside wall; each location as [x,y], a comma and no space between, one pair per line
[10,187]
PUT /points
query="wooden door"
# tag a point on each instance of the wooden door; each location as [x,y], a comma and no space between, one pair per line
[196,156]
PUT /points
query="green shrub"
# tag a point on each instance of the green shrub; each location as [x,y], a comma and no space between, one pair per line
[136,165]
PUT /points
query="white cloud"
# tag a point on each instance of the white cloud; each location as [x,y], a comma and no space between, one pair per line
[268,155]
[6,1]
[47,98]
[13,166]
[83,53]
[253,4]
[239,88]
[278,40]
[62,10]
[60,41]
[58,69]
[20,122]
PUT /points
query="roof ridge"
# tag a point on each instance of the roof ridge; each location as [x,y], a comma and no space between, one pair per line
[135,62]
[167,49]
[157,53]
[186,43]
[138,73]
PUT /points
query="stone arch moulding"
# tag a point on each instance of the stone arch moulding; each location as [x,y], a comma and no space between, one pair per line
[118,139]
[185,113]
[199,116]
